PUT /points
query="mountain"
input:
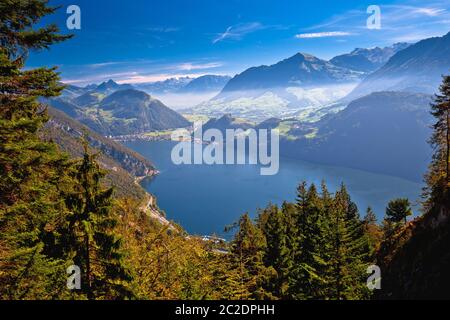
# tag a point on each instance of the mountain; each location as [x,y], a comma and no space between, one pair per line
[227,122]
[124,112]
[182,85]
[299,83]
[110,86]
[299,70]
[367,60]
[87,99]
[269,124]
[306,103]
[206,83]
[65,105]
[102,89]
[123,164]
[384,132]
[132,111]
[417,68]
[167,86]
[72,91]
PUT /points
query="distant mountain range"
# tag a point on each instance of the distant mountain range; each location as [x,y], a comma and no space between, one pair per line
[417,68]
[368,60]
[301,82]
[205,84]
[167,86]
[113,109]
[300,70]
[308,88]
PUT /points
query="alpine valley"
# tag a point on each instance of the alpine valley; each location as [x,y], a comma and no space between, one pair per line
[93,205]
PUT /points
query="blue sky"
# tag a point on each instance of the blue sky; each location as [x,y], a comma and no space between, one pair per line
[147,40]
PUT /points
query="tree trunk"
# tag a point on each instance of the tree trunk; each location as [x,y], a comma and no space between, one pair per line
[88,268]
[448,148]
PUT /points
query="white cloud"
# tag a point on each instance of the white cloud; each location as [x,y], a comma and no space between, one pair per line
[103,64]
[237,32]
[431,12]
[400,22]
[188,66]
[323,34]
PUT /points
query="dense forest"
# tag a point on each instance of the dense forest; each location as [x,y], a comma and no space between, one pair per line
[57,212]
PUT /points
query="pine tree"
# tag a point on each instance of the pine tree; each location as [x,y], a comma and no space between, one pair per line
[277,255]
[89,234]
[32,172]
[350,250]
[307,278]
[247,249]
[398,210]
[438,177]
[370,217]
[372,230]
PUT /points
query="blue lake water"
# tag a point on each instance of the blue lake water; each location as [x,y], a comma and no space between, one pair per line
[204,199]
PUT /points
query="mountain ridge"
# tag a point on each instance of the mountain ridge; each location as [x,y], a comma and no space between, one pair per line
[368,60]
[418,68]
[123,112]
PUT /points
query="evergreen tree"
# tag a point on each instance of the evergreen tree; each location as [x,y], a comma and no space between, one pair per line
[372,230]
[247,249]
[307,278]
[370,218]
[32,172]
[277,253]
[317,248]
[438,177]
[398,210]
[350,250]
[90,240]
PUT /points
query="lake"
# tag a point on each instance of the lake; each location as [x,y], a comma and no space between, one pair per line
[204,199]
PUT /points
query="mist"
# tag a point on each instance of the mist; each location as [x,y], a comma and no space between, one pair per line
[180,101]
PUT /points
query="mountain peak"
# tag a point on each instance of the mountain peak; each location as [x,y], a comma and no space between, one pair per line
[111,86]
[416,68]
[303,56]
[109,83]
[301,69]
[368,59]
[129,93]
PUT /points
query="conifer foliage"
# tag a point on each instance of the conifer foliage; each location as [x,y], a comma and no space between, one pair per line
[438,177]
[31,171]
[89,238]
[53,212]
[317,248]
